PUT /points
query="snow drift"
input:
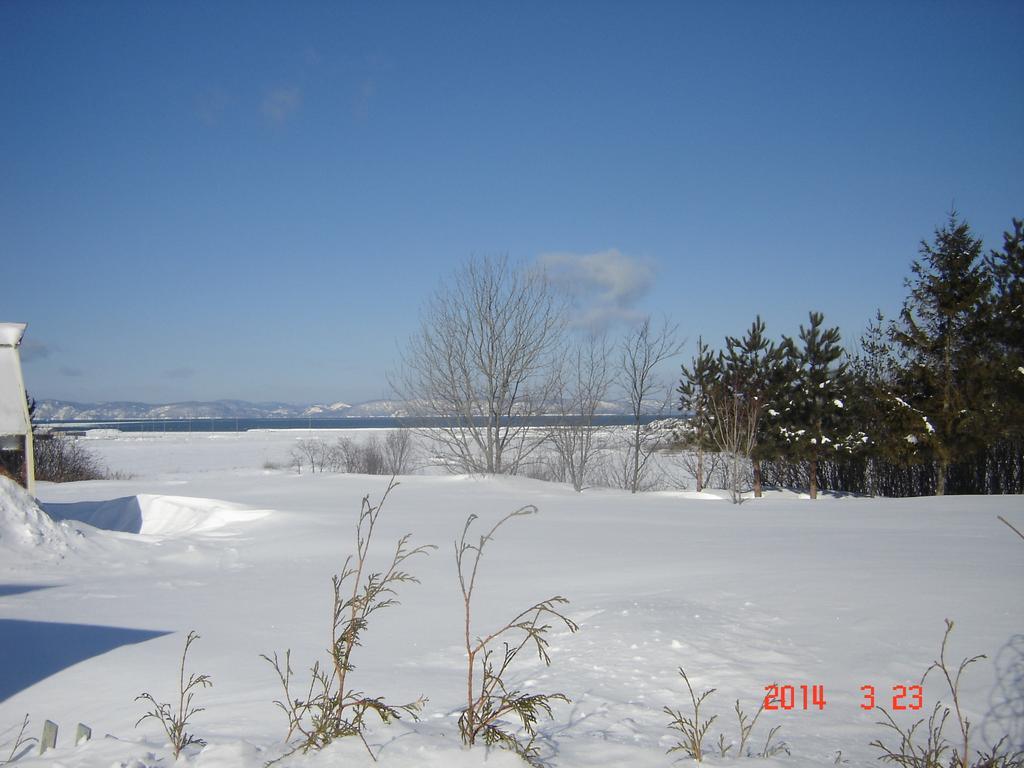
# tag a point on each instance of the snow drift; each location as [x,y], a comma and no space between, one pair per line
[26,528]
[156,515]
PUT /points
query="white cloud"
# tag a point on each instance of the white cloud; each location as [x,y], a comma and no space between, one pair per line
[605,286]
[281,103]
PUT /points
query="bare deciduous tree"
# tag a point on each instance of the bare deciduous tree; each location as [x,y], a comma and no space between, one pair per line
[313,452]
[581,385]
[399,452]
[481,361]
[642,350]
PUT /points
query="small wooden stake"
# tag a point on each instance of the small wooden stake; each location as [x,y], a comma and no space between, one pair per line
[49,740]
[82,733]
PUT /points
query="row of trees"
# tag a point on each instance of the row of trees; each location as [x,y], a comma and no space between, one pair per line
[931,402]
[394,455]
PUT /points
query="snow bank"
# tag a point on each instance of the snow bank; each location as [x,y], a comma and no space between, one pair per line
[24,527]
[180,515]
[157,515]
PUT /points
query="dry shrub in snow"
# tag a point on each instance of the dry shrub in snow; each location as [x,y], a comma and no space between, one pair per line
[931,748]
[706,468]
[693,730]
[329,708]
[547,467]
[174,721]
[395,456]
[63,459]
[489,697]
[746,726]
[620,469]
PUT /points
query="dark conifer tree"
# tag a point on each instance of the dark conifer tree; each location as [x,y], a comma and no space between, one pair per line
[1006,332]
[1007,324]
[942,339]
[695,386]
[895,431]
[815,423]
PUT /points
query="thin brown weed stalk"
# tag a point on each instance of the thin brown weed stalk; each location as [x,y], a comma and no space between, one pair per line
[21,743]
[693,730]
[329,708]
[175,721]
[489,696]
[746,726]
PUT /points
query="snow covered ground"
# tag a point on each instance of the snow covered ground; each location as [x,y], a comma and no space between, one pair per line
[842,592]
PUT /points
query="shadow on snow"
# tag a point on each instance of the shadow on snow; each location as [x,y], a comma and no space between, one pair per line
[123,514]
[34,650]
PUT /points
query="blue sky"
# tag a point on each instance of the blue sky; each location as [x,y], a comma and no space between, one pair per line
[252,200]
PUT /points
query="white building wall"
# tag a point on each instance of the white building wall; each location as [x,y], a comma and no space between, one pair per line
[14,418]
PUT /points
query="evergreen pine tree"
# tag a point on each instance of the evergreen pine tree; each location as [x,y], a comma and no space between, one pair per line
[695,386]
[815,421]
[754,362]
[1007,325]
[893,430]
[874,362]
[1006,314]
[941,334]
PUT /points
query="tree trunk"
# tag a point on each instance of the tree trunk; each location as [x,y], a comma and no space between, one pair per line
[757,479]
[947,422]
[700,468]
[813,473]
[636,456]
[735,478]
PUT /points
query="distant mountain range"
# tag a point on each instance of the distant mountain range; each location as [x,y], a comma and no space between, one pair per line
[64,410]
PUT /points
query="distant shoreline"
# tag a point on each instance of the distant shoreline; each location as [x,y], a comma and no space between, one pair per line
[220,424]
